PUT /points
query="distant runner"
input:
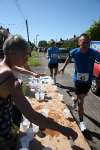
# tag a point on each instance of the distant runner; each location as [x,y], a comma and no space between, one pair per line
[53,60]
[84,58]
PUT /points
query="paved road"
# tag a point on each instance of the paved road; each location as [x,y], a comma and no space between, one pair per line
[92,103]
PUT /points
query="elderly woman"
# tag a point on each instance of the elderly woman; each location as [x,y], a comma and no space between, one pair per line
[15,54]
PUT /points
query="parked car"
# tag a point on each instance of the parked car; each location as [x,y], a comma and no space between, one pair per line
[95,87]
[62,55]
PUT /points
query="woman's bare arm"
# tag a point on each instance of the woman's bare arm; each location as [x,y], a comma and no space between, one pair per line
[25,71]
[25,107]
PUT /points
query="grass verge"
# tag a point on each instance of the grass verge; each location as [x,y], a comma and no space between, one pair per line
[34,59]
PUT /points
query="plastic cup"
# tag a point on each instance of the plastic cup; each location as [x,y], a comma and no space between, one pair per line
[25,126]
[45,112]
[61,98]
[37,95]
[25,123]
[35,128]
[42,96]
[67,113]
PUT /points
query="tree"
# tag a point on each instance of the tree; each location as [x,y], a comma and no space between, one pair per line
[70,44]
[32,46]
[94,31]
[42,44]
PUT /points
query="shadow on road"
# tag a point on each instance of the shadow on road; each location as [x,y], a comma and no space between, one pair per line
[69,88]
[93,120]
[90,134]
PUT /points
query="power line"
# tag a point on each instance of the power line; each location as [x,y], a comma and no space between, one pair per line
[6,25]
[19,9]
[23,16]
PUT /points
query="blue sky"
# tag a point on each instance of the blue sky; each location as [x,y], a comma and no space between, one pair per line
[50,19]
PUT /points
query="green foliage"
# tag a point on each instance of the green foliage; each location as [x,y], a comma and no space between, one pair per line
[34,59]
[32,45]
[94,31]
[69,44]
[42,44]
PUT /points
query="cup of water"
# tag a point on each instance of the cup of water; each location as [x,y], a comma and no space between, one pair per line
[42,95]
[45,112]
[25,124]
[61,98]
[67,113]
[35,128]
[37,95]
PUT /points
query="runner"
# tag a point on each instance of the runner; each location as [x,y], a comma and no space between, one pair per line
[53,60]
[84,58]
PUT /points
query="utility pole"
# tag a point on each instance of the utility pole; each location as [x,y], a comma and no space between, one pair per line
[27,29]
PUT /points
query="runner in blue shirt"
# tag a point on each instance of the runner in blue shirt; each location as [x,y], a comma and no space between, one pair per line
[84,58]
[53,60]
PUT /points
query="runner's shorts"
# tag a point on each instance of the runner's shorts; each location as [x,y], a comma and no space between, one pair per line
[53,65]
[82,88]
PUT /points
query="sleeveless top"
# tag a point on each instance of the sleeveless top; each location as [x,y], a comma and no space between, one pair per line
[7,128]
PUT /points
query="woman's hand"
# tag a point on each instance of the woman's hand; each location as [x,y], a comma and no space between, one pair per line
[37,75]
[42,74]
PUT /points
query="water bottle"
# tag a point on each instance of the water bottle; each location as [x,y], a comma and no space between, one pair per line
[24,141]
[25,124]
[29,133]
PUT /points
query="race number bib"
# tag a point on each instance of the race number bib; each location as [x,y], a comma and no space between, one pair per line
[82,76]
